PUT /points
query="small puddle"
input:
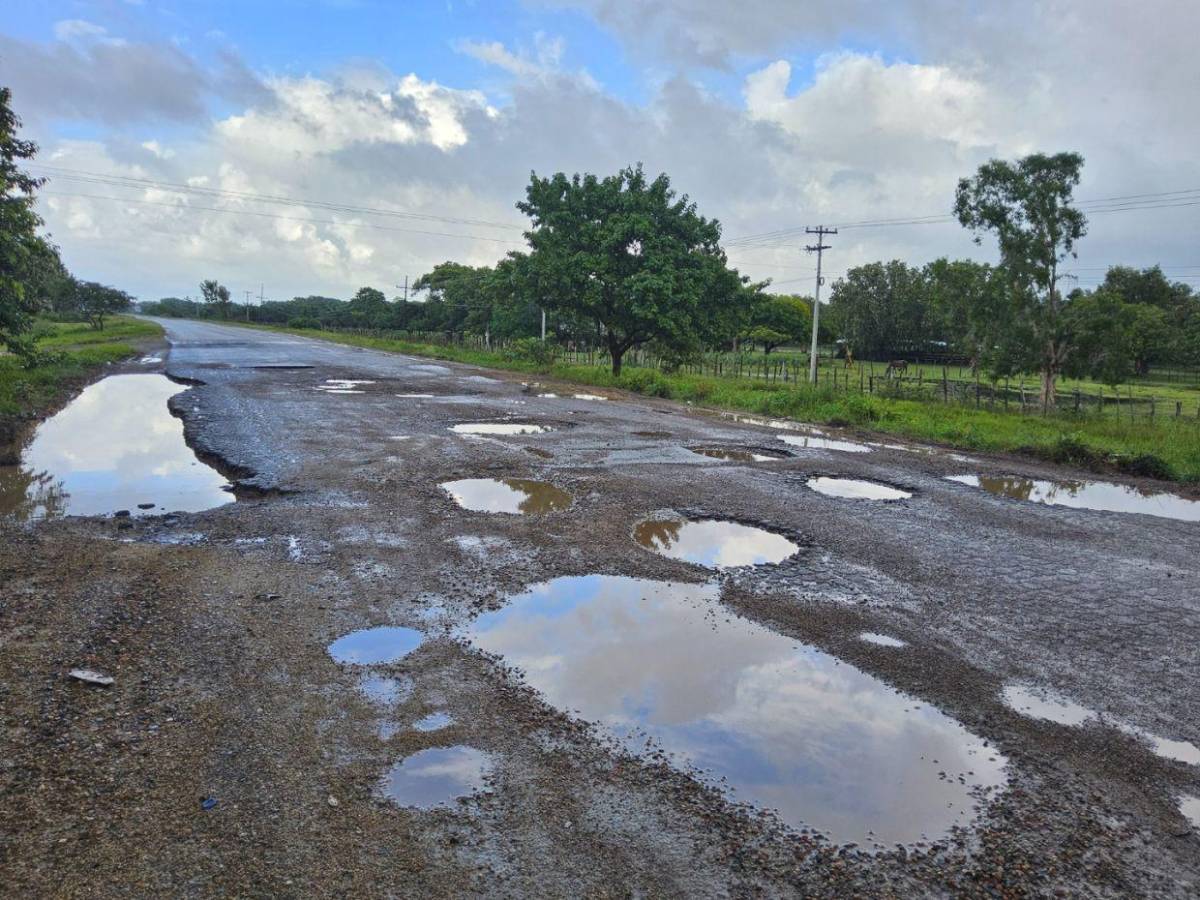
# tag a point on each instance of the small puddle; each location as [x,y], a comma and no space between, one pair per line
[1038,703]
[1098,495]
[808,442]
[501,428]
[588,397]
[371,646]
[433,722]
[856,489]
[1190,808]
[437,777]
[416,396]
[713,543]
[384,691]
[882,640]
[732,454]
[114,447]
[342,386]
[521,496]
[1179,751]
[779,724]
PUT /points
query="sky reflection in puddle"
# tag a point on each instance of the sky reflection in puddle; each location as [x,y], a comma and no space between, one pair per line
[806,442]
[520,496]
[882,640]
[436,777]
[499,428]
[112,448]
[371,646]
[734,454]
[713,543]
[1038,703]
[788,726]
[1190,807]
[1098,495]
[435,721]
[855,489]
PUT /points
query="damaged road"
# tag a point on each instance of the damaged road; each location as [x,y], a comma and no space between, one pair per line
[551,708]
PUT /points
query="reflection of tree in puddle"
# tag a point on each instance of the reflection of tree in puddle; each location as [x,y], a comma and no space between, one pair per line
[25,494]
[658,534]
[540,497]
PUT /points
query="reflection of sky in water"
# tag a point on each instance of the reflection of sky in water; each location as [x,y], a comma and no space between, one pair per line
[498,428]
[1098,495]
[820,443]
[713,543]
[856,489]
[435,721]
[115,446]
[788,726]
[436,777]
[730,454]
[1043,704]
[387,643]
[1190,807]
[508,495]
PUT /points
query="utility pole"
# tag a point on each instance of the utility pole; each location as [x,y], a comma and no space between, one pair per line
[820,231]
[543,324]
[247,305]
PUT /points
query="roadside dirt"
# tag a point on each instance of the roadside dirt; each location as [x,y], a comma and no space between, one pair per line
[215,626]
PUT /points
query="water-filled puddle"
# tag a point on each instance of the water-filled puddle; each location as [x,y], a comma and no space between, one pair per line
[1098,495]
[114,447]
[371,646]
[521,496]
[1179,751]
[384,691]
[882,640]
[735,454]
[416,396]
[589,397]
[779,724]
[433,722]
[1190,807]
[1037,703]
[713,543]
[342,386]
[808,442]
[500,428]
[437,777]
[855,489]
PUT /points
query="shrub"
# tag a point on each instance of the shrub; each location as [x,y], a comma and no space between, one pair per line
[304,322]
[531,350]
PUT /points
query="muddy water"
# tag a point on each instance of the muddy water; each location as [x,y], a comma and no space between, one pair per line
[856,489]
[371,646]
[733,454]
[1098,495]
[520,496]
[114,447]
[786,726]
[806,442]
[499,428]
[436,777]
[713,543]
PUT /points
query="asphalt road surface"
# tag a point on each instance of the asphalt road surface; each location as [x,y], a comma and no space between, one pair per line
[234,755]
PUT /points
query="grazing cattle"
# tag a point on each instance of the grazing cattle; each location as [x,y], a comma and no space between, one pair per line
[899,366]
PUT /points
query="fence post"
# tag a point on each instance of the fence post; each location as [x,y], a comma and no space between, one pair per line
[1178,408]
[872,390]
[1152,408]
[1076,400]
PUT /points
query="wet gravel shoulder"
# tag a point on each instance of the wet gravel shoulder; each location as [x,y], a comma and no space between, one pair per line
[215,627]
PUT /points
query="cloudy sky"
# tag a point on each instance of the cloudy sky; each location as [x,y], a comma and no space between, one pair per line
[315,146]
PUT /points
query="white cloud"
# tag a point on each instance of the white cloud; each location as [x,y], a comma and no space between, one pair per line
[76,29]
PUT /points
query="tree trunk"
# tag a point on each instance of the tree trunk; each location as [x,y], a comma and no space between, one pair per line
[1050,371]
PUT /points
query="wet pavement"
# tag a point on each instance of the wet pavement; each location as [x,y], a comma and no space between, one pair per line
[290,649]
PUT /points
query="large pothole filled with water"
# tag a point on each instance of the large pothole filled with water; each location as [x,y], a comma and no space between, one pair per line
[519,496]
[772,722]
[856,489]
[499,428]
[714,543]
[1097,495]
[439,776]
[114,448]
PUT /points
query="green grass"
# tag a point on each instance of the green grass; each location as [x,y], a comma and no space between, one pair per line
[76,352]
[1165,448]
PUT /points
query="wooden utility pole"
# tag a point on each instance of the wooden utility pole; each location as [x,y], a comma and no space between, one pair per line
[820,231]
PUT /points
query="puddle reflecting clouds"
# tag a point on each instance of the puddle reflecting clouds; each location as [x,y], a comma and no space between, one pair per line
[1039,703]
[114,447]
[856,489]
[1190,807]
[785,725]
[437,777]
[882,640]
[499,428]
[733,454]
[713,543]
[1098,495]
[806,442]
[521,496]
[371,646]
[435,721]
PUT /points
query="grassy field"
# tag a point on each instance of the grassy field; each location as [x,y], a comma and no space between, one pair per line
[76,353]
[1165,448]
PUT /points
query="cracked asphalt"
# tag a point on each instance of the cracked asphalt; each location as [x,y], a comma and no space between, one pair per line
[215,627]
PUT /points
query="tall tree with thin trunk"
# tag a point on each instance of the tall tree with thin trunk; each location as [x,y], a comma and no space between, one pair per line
[1027,204]
[19,243]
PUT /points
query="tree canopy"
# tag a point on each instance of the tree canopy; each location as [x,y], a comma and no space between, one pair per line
[20,245]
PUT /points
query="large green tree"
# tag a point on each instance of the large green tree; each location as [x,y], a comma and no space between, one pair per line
[881,309]
[19,243]
[216,298]
[779,319]
[627,254]
[97,301]
[1027,205]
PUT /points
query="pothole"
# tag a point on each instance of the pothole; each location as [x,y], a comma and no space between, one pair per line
[372,646]
[781,725]
[499,428]
[521,496]
[714,543]
[343,386]
[115,448]
[1039,703]
[1189,807]
[856,489]
[737,454]
[812,442]
[882,640]
[1097,495]
[436,777]
[435,721]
